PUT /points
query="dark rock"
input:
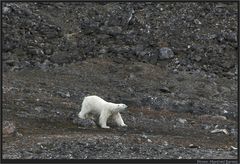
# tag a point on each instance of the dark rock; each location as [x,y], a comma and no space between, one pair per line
[165,90]
[10,62]
[232,36]
[48,51]
[193,146]
[220,38]
[103,36]
[8,46]
[229,74]
[175,71]
[183,106]
[115,30]
[147,56]
[180,78]
[228,64]
[35,51]
[198,58]
[59,58]
[86,123]
[138,48]
[153,58]
[165,53]
[5,67]
[50,31]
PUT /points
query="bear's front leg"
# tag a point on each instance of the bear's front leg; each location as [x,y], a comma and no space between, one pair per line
[82,115]
[103,120]
[118,119]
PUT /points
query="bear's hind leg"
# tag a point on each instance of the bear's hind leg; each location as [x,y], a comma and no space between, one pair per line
[118,119]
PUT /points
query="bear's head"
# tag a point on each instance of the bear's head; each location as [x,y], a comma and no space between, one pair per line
[121,107]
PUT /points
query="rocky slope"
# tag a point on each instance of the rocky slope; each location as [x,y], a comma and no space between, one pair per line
[203,36]
[173,64]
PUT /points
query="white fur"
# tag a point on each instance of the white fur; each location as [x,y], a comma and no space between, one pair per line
[97,106]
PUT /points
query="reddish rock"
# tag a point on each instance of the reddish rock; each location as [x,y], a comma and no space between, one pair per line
[9,128]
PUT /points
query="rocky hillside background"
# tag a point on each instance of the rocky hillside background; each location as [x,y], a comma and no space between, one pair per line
[196,36]
[173,64]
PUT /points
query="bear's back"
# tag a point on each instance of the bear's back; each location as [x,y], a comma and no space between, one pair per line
[95,103]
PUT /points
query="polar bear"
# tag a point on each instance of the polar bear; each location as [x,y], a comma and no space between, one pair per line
[97,106]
